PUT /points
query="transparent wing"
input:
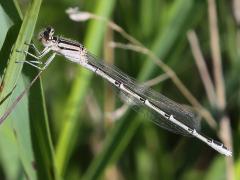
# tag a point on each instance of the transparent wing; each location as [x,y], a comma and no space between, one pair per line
[151,115]
[181,113]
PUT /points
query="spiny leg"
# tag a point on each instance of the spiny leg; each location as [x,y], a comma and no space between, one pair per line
[32,45]
[49,60]
[45,65]
[44,52]
[33,62]
[30,64]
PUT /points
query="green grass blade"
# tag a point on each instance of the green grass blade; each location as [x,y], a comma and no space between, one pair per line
[80,86]
[32,135]
[8,152]
[217,170]
[6,23]
[164,41]
[20,125]
[25,34]
[40,133]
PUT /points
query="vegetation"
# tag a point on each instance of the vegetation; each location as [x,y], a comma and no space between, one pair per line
[71,125]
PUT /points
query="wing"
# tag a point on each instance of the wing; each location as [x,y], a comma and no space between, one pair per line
[181,113]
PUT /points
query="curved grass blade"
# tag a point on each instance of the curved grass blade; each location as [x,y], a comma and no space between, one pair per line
[9,157]
[39,142]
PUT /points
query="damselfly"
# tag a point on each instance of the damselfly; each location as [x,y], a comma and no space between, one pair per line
[168,114]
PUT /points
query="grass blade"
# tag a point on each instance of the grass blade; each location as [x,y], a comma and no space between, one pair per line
[27,138]
[80,86]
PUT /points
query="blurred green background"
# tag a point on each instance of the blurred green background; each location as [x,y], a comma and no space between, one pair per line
[62,128]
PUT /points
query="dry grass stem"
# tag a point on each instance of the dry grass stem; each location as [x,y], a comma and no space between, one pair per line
[216,55]
[236,12]
[156,80]
[93,108]
[118,113]
[182,88]
[202,67]
[135,45]
[109,103]
[77,15]
[14,104]
[225,129]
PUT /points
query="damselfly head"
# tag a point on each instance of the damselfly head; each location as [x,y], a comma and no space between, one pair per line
[46,36]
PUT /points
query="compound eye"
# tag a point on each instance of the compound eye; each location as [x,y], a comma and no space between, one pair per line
[45,34]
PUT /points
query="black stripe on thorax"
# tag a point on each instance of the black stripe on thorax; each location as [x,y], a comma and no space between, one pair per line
[70,49]
[69,42]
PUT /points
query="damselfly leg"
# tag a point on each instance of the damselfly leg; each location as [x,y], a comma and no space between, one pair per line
[36,63]
[32,45]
